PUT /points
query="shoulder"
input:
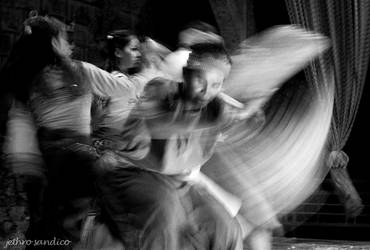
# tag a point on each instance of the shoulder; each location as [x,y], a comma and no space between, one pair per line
[92,70]
[160,88]
[119,74]
[86,65]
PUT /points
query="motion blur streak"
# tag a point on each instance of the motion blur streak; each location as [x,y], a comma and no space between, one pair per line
[280,166]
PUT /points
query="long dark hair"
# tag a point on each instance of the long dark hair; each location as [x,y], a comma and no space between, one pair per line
[32,52]
[116,39]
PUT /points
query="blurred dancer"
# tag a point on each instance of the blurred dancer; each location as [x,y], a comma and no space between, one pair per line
[125,60]
[195,32]
[147,189]
[259,237]
[42,38]
[123,49]
[53,97]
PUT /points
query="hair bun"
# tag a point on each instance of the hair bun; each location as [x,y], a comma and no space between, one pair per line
[33,13]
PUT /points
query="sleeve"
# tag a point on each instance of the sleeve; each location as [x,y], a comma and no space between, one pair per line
[105,84]
[152,101]
[142,78]
[21,148]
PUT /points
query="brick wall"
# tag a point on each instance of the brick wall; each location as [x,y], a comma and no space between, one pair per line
[92,20]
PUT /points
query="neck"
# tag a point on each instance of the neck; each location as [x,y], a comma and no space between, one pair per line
[122,69]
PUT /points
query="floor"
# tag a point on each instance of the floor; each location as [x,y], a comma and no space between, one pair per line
[313,244]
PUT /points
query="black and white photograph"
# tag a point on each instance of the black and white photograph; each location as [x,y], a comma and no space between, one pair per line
[184,124]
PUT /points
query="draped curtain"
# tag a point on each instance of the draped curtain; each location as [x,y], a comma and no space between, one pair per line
[347,24]
[235,20]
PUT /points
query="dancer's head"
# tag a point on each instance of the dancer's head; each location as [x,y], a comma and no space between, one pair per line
[207,67]
[198,32]
[47,36]
[123,51]
[43,42]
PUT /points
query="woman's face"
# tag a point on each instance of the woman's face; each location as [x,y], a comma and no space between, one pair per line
[204,84]
[129,56]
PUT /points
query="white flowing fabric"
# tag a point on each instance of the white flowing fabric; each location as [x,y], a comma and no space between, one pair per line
[347,23]
[265,61]
[282,164]
[275,167]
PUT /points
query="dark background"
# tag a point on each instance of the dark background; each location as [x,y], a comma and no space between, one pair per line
[162,20]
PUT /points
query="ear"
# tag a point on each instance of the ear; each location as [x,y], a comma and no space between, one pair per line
[118,52]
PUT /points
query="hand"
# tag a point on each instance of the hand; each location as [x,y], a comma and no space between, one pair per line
[246,228]
[153,55]
[151,67]
[106,162]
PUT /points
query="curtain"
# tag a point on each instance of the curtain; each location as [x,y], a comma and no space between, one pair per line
[347,24]
[235,19]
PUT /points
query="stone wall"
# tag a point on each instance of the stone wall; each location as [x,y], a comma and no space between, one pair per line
[91,19]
